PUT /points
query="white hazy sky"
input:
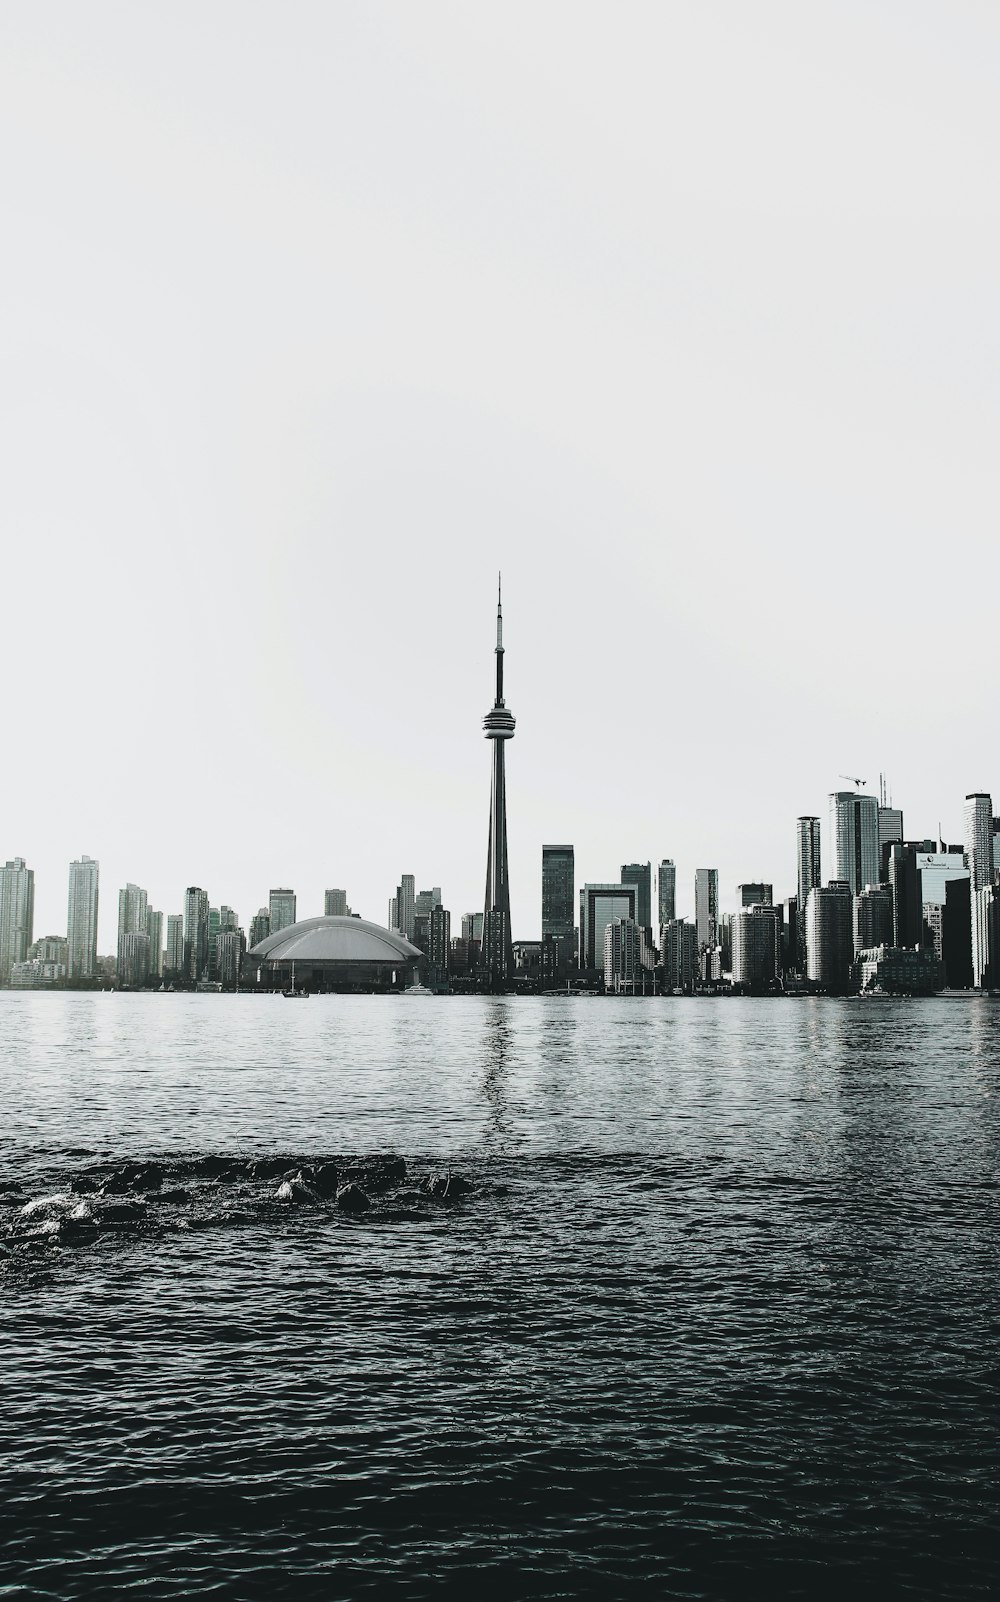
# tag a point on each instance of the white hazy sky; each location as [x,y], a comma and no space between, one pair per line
[315,314]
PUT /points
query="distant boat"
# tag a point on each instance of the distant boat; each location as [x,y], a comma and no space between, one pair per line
[291,992]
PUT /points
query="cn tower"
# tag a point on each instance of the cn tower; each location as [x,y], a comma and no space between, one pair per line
[497,961]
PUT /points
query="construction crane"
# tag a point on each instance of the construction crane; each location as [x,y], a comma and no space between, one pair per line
[852,780]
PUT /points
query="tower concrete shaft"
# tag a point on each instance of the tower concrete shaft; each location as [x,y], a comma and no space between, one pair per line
[497,962]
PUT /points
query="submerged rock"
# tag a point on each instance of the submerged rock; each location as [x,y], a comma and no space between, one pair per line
[352,1199]
[325,1179]
[177,1194]
[376,1174]
[213,1167]
[123,1212]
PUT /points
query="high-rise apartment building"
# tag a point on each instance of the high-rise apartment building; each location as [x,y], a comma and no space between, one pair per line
[807,852]
[174,962]
[756,894]
[854,839]
[979,839]
[830,936]
[195,932]
[706,907]
[679,954]
[402,906]
[873,918]
[335,904]
[154,929]
[559,905]
[133,957]
[81,921]
[666,891]
[641,875]
[260,926]
[986,937]
[622,953]
[282,905]
[472,926]
[132,908]
[756,945]
[17,914]
[229,948]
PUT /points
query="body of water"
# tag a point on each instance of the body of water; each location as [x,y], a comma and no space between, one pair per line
[715,1314]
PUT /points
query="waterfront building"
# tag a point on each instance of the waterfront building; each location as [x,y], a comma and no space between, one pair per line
[756,946]
[913,971]
[873,920]
[337,954]
[854,839]
[17,914]
[979,838]
[174,961]
[133,958]
[641,875]
[195,932]
[335,904]
[439,941]
[986,937]
[755,894]
[622,953]
[47,963]
[214,925]
[600,904]
[282,907]
[830,936]
[956,934]
[679,954]
[497,956]
[229,951]
[666,889]
[890,832]
[81,920]
[706,907]
[260,926]
[933,928]
[558,906]
[807,840]
[132,908]
[907,898]
[154,930]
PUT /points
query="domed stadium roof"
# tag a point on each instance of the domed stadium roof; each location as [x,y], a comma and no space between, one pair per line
[336,940]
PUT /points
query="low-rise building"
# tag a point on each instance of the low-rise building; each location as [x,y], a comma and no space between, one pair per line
[898,971]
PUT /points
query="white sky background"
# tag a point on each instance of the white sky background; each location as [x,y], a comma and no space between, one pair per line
[314,314]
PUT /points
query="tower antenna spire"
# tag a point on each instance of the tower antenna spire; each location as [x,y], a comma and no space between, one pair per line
[497,959]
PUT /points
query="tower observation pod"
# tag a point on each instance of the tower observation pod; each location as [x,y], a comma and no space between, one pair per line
[497,960]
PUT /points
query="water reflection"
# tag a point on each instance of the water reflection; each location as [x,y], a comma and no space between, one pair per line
[495,1051]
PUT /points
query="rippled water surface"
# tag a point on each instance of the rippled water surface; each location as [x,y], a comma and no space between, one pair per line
[718,1315]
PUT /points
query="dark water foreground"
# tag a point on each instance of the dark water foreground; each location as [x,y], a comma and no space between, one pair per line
[719,1314]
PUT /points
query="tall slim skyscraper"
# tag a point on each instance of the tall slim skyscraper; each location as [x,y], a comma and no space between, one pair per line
[558,902]
[641,875]
[175,943]
[807,853]
[497,961]
[17,914]
[154,929]
[282,906]
[854,843]
[81,922]
[706,907]
[979,839]
[132,908]
[196,931]
[666,885]
[402,908]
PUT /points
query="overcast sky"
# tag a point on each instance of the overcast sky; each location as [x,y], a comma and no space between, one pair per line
[314,315]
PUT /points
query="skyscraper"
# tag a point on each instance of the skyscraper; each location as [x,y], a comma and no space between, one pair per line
[282,905]
[154,929]
[260,926]
[756,945]
[854,839]
[706,907]
[132,908]
[497,960]
[807,852]
[979,839]
[890,832]
[17,914]
[401,907]
[175,943]
[600,904]
[830,936]
[195,932]
[756,894]
[641,875]
[666,886]
[558,896]
[335,904]
[873,918]
[81,922]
